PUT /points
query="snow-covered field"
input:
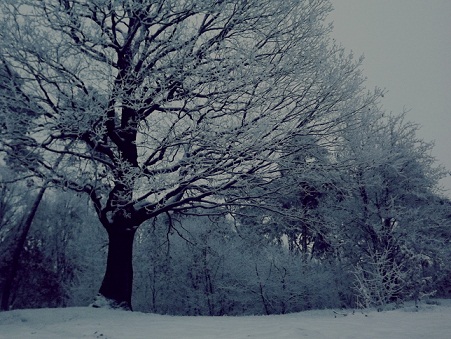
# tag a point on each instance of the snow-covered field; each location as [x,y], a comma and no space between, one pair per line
[429,321]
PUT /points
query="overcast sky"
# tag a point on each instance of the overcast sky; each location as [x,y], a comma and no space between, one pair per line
[407,49]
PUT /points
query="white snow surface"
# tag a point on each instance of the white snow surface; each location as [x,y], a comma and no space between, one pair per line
[428,321]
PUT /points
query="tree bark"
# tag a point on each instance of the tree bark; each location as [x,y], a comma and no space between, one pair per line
[117,283]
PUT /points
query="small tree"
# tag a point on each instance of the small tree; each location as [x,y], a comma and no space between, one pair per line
[378,279]
[160,106]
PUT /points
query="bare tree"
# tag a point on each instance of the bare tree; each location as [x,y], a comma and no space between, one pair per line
[162,106]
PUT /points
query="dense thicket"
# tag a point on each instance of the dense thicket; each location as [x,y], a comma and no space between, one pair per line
[341,253]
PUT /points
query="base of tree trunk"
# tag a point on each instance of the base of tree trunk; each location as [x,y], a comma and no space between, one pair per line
[102,302]
[117,284]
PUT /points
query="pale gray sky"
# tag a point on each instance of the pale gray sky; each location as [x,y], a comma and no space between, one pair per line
[407,49]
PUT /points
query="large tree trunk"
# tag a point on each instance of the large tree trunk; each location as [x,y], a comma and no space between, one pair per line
[116,289]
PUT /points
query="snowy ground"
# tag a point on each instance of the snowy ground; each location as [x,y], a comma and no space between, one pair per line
[429,321]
